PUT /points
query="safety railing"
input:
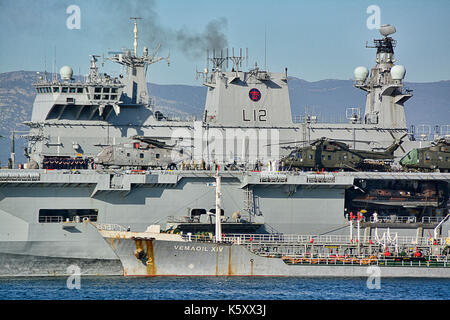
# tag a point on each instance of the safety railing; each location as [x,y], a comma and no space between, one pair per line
[292,239]
[429,262]
[59,219]
[50,219]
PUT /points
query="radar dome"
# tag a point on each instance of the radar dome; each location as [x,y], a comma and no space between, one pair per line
[361,73]
[66,73]
[387,29]
[398,72]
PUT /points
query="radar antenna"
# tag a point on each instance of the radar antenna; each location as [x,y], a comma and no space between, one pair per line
[219,59]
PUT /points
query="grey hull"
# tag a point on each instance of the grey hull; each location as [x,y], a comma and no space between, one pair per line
[28,265]
[172,258]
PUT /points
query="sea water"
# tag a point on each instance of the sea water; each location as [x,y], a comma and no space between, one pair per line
[222,288]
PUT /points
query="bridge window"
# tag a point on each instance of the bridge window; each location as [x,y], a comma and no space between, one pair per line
[98,89]
[72,90]
[105,97]
[141,155]
[105,90]
[65,89]
[55,89]
[79,90]
[61,215]
[113,90]
[113,97]
[222,212]
[96,97]
[198,212]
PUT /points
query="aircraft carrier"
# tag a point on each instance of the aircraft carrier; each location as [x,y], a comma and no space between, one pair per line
[54,208]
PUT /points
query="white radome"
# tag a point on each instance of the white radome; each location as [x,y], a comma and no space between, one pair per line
[361,73]
[387,30]
[66,73]
[398,72]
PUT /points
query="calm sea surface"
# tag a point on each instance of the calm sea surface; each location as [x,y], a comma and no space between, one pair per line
[224,288]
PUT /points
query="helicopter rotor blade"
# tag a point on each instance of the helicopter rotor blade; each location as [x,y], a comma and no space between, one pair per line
[399,141]
[289,142]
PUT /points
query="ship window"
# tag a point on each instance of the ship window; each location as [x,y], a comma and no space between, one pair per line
[213,211]
[64,89]
[96,97]
[55,89]
[198,212]
[113,90]
[106,97]
[128,154]
[141,155]
[427,157]
[310,156]
[79,90]
[446,158]
[72,90]
[157,156]
[62,215]
[113,97]
[106,90]
[329,157]
[440,158]
[98,89]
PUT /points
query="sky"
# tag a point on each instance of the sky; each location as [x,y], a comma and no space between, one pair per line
[315,40]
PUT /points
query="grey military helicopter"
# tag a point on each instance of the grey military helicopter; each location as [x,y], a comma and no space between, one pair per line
[435,157]
[141,153]
[330,154]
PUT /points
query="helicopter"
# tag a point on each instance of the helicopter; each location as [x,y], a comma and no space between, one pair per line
[141,153]
[326,153]
[433,158]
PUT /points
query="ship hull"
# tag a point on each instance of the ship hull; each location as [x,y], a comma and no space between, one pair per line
[31,265]
[173,258]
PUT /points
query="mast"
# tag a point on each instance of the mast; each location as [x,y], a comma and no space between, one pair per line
[135,91]
[218,208]
[135,31]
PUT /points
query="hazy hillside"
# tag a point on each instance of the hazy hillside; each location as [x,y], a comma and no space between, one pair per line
[326,98]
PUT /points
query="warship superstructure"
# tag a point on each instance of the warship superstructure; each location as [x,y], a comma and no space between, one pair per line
[51,210]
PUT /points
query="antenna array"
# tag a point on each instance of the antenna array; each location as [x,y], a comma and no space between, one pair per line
[218,59]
